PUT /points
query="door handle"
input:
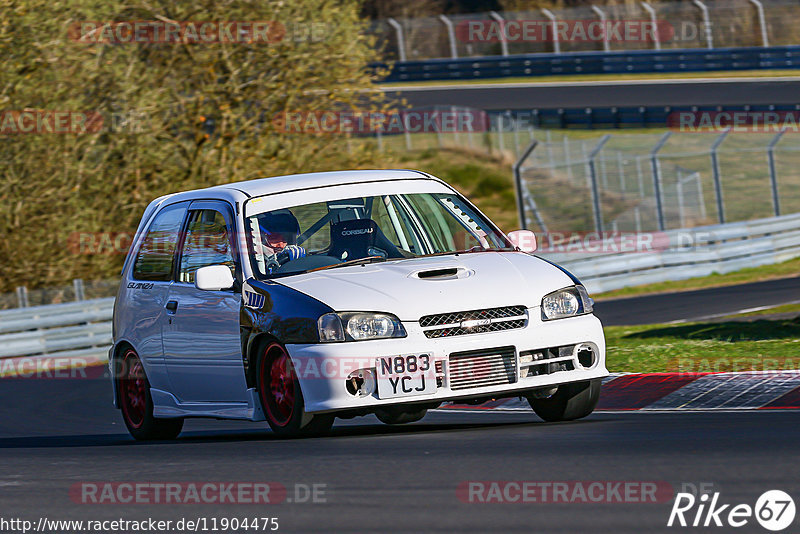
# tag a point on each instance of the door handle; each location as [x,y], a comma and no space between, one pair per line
[172,306]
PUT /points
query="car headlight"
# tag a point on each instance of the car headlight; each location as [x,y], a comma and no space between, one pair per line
[359,326]
[567,302]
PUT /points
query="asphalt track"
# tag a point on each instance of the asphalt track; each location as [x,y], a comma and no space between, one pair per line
[698,305]
[623,93]
[55,433]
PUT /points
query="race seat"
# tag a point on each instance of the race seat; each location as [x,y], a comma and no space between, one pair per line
[359,238]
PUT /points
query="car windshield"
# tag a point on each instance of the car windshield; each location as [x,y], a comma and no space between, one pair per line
[326,235]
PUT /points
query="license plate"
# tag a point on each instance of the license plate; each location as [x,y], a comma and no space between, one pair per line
[405,376]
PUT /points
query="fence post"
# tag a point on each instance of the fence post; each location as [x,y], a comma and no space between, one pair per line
[638,218]
[554,22]
[567,158]
[438,127]
[679,192]
[380,140]
[701,199]
[406,133]
[22,296]
[456,124]
[603,19]
[471,128]
[773,175]
[77,285]
[501,145]
[762,22]
[451,36]
[598,215]
[716,175]
[656,168]
[604,173]
[521,191]
[549,145]
[503,41]
[656,37]
[640,176]
[706,22]
[401,41]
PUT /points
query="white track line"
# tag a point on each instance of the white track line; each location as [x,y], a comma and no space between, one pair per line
[736,312]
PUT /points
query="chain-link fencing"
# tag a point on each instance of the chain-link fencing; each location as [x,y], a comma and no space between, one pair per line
[659,181]
[706,24]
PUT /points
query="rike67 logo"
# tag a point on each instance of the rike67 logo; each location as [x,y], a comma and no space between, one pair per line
[774,510]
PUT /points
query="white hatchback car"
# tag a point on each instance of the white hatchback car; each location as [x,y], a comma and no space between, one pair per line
[298,299]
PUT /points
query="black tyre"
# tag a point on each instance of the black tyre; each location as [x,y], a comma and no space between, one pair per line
[282,399]
[137,404]
[569,402]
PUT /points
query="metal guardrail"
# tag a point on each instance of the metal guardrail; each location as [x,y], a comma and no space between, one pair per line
[82,330]
[627,62]
[71,333]
[724,248]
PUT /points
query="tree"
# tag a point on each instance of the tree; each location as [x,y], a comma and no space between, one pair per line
[175,116]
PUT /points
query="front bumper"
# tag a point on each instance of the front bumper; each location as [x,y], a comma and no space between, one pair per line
[322,368]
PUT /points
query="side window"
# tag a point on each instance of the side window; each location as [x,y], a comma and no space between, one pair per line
[208,242]
[155,258]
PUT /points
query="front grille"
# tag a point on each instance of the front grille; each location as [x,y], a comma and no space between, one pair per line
[478,368]
[450,324]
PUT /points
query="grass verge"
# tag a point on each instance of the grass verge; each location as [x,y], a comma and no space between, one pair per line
[768,340]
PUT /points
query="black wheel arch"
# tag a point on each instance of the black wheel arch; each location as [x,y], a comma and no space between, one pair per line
[119,350]
[256,343]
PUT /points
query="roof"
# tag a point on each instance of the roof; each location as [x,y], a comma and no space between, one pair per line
[293,182]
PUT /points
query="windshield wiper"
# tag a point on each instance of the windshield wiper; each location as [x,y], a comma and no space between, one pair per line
[360,261]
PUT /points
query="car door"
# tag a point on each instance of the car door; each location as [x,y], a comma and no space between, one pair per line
[146,290]
[202,345]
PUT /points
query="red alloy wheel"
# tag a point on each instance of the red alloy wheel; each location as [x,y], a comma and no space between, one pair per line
[279,392]
[133,390]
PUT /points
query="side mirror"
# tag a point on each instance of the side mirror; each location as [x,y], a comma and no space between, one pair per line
[525,240]
[213,278]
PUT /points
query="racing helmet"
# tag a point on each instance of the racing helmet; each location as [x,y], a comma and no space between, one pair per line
[279,225]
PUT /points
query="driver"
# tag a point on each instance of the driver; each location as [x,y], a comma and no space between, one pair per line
[279,233]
